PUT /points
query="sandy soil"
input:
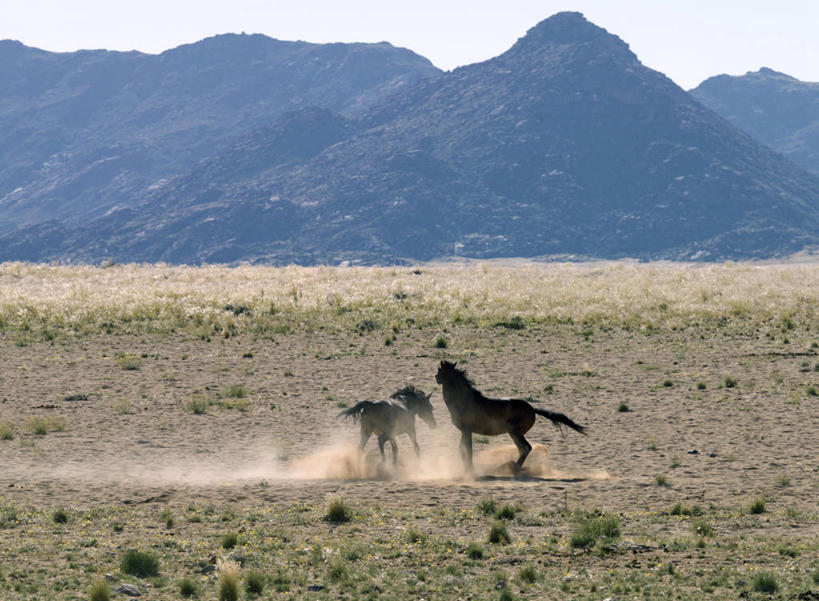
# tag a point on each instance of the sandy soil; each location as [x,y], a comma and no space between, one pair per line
[130,437]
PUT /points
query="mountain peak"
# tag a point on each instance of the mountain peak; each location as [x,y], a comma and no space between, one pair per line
[571,29]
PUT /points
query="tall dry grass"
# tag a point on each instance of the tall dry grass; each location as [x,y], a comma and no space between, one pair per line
[44,300]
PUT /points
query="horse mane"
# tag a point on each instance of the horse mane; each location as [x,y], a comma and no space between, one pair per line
[407,391]
[459,373]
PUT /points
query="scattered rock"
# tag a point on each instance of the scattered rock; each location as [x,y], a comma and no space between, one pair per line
[500,584]
[693,452]
[209,569]
[315,587]
[76,397]
[129,590]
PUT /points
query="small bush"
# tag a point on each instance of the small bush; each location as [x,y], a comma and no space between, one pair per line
[729,382]
[254,583]
[668,383]
[506,595]
[661,480]
[758,506]
[338,511]
[507,512]
[198,405]
[527,574]
[623,408]
[498,534]
[701,386]
[440,342]
[237,392]
[487,506]
[812,391]
[229,540]
[702,528]
[589,530]
[765,582]
[474,551]
[6,431]
[129,362]
[60,516]
[187,588]
[139,564]
[414,536]
[228,581]
[337,569]
[38,426]
[99,590]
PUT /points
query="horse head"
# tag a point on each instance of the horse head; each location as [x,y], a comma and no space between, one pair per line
[418,403]
[446,371]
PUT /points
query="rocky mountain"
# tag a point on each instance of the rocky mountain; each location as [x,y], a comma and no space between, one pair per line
[82,132]
[775,108]
[563,145]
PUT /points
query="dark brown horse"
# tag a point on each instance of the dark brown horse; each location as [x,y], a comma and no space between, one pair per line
[472,412]
[389,418]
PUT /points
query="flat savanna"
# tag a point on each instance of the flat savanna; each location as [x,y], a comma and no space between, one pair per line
[190,414]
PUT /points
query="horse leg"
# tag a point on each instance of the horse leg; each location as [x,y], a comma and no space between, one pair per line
[523,446]
[394,446]
[415,444]
[382,439]
[365,436]
[466,450]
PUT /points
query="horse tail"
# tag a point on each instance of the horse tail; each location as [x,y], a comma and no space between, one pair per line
[355,411]
[558,419]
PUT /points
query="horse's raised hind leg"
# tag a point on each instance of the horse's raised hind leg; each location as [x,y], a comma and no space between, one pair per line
[365,436]
[466,450]
[523,446]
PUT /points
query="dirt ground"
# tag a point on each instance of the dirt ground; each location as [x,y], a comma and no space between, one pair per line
[122,428]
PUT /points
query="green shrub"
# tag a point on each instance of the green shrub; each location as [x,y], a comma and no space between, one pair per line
[198,405]
[337,569]
[588,531]
[507,512]
[498,534]
[139,564]
[6,431]
[187,588]
[765,582]
[338,511]
[254,583]
[487,506]
[237,392]
[527,574]
[474,551]
[229,540]
[661,480]
[60,516]
[623,408]
[702,528]
[99,590]
[729,382]
[701,386]
[228,581]
[440,342]
[758,506]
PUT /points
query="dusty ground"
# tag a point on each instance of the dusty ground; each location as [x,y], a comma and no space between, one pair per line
[122,432]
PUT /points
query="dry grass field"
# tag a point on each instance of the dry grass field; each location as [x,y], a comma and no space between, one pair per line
[174,429]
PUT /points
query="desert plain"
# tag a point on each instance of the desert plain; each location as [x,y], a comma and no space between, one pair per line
[191,414]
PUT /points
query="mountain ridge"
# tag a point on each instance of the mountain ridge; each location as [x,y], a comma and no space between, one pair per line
[563,145]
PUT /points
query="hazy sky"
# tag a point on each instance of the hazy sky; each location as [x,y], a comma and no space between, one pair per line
[687,40]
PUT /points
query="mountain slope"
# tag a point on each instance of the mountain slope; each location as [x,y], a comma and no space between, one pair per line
[84,131]
[775,108]
[563,145]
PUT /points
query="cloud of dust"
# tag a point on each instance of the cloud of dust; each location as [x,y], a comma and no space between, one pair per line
[340,460]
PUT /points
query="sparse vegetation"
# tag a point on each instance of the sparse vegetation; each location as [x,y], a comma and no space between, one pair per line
[474,551]
[499,534]
[139,564]
[338,511]
[228,581]
[757,506]
[229,540]
[593,529]
[6,431]
[765,582]
[188,588]
[255,583]
[729,382]
[99,590]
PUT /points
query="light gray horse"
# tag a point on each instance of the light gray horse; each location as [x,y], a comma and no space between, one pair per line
[472,412]
[389,418]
